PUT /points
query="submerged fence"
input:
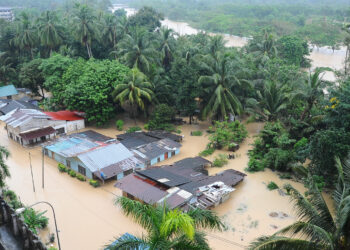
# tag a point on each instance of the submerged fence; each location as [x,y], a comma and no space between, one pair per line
[20,231]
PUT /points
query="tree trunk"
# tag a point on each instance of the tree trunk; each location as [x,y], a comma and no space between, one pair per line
[306,111]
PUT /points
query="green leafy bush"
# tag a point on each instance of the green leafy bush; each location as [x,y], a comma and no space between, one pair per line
[133,129]
[81,177]
[94,183]
[207,152]
[226,132]
[119,124]
[272,185]
[35,219]
[254,165]
[220,160]
[62,168]
[178,131]
[161,118]
[196,133]
[11,195]
[72,173]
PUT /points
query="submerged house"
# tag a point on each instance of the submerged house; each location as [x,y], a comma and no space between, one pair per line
[151,149]
[31,126]
[184,184]
[74,120]
[11,105]
[93,155]
[8,91]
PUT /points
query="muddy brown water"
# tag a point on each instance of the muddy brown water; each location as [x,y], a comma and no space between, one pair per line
[88,219]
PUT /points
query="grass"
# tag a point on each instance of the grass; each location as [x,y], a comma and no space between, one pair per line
[197,133]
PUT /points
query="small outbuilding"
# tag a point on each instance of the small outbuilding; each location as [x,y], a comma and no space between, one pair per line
[8,91]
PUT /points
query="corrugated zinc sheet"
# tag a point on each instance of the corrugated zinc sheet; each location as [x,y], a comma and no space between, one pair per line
[19,117]
[69,147]
[8,90]
[105,156]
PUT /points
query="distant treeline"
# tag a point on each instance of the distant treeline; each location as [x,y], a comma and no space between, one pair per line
[318,21]
[49,4]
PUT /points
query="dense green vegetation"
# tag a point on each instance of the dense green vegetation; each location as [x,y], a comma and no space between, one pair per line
[319,22]
[165,228]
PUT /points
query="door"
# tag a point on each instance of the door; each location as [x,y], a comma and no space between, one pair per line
[166,156]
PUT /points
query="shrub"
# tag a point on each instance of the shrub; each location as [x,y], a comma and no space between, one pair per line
[35,219]
[161,118]
[286,176]
[81,177]
[133,129]
[72,173]
[15,204]
[146,126]
[10,194]
[178,131]
[220,160]
[119,124]
[196,133]
[62,168]
[94,183]
[272,186]
[207,152]
[254,165]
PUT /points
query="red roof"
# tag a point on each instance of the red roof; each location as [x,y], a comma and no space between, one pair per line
[37,133]
[64,115]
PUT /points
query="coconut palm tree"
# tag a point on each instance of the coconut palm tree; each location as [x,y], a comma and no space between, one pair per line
[167,229]
[135,90]
[4,170]
[318,228]
[109,30]
[218,86]
[137,50]
[216,45]
[84,26]
[311,90]
[166,45]
[270,102]
[6,68]
[26,36]
[50,33]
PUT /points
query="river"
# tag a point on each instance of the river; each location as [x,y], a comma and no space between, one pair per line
[320,57]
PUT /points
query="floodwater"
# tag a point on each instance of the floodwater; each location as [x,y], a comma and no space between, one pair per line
[320,56]
[87,218]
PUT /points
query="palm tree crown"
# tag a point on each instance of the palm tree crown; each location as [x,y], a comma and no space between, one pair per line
[219,85]
[167,229]
[317,228]
[135,90]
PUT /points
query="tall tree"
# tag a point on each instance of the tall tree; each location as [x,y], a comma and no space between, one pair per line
[137,50]
[50,32]
[167,229]
[318,228]
[311,91]
[166,46]
[135,90]
[218,87]
[85,26]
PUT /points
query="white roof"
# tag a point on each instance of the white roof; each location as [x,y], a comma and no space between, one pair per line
[19,117]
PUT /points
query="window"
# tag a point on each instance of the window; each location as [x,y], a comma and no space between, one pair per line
[31,141]
[43,138]
[173,153]
[82,170]
[158,160]
[68,164]
[60,131]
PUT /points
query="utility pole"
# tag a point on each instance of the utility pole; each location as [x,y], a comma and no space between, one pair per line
[43,175]
[31,171]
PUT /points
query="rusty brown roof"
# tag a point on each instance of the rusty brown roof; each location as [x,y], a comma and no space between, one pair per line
[37,133]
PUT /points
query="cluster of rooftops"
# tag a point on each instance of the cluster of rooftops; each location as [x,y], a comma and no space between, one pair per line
[129,158]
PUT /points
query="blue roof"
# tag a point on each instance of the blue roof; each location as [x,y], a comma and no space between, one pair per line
[128,236]
[8,90]
[69,147]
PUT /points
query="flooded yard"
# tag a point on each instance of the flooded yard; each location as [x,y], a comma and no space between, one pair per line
[87,218]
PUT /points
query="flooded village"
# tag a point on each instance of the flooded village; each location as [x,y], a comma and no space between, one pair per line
[59,156]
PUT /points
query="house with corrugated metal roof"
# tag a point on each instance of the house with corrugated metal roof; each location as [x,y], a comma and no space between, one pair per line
[184,184]
[8,91]
[151,148]
[93,155]
[30,126]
